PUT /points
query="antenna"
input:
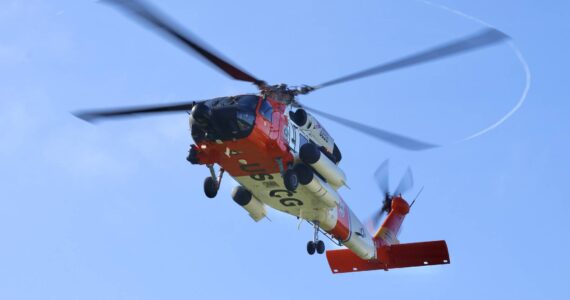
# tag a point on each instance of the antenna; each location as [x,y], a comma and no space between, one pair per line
[416,198]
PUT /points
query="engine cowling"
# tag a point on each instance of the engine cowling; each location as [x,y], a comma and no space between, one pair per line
[310,126]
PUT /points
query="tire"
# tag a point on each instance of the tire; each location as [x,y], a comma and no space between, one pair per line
[320,247]
[291,180]
[311,248]
[210,187]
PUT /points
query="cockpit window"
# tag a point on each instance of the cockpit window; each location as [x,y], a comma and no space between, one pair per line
[231,117]
[222,101]
[245,121]
[266,110]
[245,102]
[303,140]
[246,112]
[248,102]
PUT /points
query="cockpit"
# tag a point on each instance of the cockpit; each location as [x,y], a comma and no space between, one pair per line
[224,118]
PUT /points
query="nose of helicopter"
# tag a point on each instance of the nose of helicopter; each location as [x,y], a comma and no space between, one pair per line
[219,123]
[200,115]
[217,119]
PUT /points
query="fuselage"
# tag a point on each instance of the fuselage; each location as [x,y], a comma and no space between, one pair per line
[256,153]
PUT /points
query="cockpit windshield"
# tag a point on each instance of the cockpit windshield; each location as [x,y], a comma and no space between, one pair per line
[245,102]
[231,117]
[246,113]
[248,102]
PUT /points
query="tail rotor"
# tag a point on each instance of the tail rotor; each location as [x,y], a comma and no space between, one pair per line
[382,177]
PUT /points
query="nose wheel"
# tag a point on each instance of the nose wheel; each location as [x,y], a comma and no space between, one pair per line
[210,187]
[316,245]
[212,183]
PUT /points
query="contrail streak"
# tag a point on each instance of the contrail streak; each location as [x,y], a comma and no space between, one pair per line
[519,56]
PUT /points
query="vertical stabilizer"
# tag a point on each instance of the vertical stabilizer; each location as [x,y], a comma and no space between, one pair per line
[387,234]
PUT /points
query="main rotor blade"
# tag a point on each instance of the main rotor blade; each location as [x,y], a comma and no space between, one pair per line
[160,22]
[383,135]
[94,115]
[484,38]
[382,176]
[406,183]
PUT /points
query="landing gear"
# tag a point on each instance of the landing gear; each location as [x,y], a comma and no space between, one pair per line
[311,247]
[320,247]
[316,244]
[212,183]
[290,180]
[210,187]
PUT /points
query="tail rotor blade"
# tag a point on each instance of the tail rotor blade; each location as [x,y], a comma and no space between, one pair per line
[382,176]
[374,221]
[387,203]
[406,183]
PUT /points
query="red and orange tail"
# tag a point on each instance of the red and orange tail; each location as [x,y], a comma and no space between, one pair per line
[390,257]
[390,254]
[387,234]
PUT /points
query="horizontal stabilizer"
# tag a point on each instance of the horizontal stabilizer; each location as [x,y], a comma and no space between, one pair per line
[391,257]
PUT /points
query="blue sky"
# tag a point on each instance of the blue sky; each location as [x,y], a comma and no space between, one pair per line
[115,212]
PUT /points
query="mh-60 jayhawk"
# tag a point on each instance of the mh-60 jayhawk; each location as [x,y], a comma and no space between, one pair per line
[284,158]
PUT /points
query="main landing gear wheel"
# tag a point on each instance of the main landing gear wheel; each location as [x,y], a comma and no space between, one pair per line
[320,247]
[291,180]
[210,187]
[311,247]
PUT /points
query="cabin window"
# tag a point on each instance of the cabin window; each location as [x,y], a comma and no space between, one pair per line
[303,140]
[266,110]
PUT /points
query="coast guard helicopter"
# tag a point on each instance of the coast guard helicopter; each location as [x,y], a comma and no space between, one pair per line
[283,158]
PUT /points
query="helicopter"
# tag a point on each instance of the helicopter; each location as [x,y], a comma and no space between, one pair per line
[283,158]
